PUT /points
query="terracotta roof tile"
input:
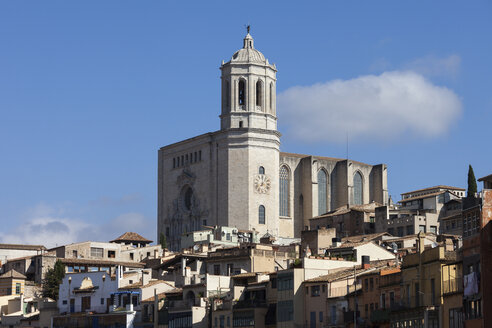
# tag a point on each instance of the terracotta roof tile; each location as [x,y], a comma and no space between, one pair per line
[12,274]
[435,187]
[131,236]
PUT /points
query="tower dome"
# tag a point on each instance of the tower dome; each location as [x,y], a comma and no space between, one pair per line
[248,53]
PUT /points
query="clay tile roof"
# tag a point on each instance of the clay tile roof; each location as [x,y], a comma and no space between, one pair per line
[435,187]
[131,236]
[23,247]
[486,178]
[13,274]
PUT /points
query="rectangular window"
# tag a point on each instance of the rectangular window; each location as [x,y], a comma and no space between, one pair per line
[422,228]
[366,284]
[230,269]
[321,317]
[400,231]
[371,283]
[97,252]
[433,291]
[111,254]
[17,288]
[200,155]
[383,301]
[217,269]
[102,301]
[75,254]
[315,291]
[392,299]
[285,281]
[174,163]
[285,311]
[433,229]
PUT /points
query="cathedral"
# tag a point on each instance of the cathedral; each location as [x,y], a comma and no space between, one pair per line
[238,177]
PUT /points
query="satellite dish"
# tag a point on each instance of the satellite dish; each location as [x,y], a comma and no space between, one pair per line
[395,247]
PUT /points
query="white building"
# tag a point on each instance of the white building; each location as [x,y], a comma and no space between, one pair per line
[238,177]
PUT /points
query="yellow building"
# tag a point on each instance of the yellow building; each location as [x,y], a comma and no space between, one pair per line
[425,277]
[12,283]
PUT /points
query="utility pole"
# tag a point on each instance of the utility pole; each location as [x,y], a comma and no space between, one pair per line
[355,298]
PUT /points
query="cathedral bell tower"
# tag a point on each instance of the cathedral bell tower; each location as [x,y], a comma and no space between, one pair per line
[248,90]
[248,142]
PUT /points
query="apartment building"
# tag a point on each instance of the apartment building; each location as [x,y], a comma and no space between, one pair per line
[419,211]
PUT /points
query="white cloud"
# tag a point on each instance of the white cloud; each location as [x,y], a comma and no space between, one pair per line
[45,225]
[372,107]
[433,66]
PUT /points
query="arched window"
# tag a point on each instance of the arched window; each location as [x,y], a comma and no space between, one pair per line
[284,191]
[322,179]
[259,93]
[188,198]
[228,94]
[242,92]
[261,214]
[357,188]
[261,170]
[271,96]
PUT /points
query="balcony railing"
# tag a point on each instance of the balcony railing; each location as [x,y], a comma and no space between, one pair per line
[245,304]
[453,286]
[182,305]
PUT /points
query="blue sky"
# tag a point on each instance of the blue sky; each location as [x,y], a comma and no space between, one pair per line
[89,90]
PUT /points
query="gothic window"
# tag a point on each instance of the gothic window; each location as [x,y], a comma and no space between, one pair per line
[259,93]
[357,188]
[242,93]
[188,197]
[261,214]
[284,191]
[261,170]
[322,179]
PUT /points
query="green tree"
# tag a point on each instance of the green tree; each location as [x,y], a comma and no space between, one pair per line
[163,241]
[53,279]
[472,182]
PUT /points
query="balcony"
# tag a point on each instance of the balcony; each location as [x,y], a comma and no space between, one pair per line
[380,316]
[246,304]
[183,305]
[452,286]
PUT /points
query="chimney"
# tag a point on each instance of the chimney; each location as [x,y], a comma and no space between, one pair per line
[420,242]
[366,262]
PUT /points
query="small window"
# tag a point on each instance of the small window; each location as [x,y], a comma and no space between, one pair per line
[261,170]
[178,162]
[200,155]
[174,163]
[131,256]
[17,288]
[196,157]
[102,301]
[240,124]
[217,269]
[261,214]
[259,93]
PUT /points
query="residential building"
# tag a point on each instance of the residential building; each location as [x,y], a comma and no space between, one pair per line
[422,286]
[420,211]
[218,236]
[12,251]
[348,220]
[12,283]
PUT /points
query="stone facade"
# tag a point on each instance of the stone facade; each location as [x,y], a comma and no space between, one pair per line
[238,177]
